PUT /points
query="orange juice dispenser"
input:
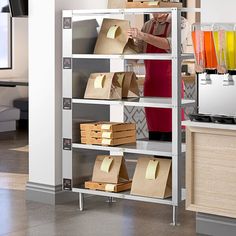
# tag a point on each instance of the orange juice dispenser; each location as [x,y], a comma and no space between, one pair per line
[210,53]
[204,50]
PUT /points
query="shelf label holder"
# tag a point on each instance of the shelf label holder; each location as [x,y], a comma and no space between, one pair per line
[67,184]
[67,63]
[67,103]
[67,144]
[67,23]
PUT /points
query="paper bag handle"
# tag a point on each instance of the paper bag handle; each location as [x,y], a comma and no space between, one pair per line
[106,164]
[110,187]
[99,81]
[106,134]
[153,3]
[112,32]
[106,126]
[151,171]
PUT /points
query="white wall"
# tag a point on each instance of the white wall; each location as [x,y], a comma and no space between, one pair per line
[65,5]
[45,50]
[41,91]
[19,61]
[218,11]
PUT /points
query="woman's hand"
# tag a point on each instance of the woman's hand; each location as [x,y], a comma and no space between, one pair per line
[156,41]
[135,33]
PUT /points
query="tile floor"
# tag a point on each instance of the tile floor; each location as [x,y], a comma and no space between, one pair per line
[19,217]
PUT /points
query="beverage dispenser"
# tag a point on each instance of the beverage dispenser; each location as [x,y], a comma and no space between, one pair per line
[199,49]
[215,55]
[225,45]
[204,50]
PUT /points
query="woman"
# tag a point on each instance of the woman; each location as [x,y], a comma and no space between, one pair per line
[155,37]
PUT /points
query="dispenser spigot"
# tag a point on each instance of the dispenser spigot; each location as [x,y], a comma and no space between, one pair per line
[206,79]
[228,80]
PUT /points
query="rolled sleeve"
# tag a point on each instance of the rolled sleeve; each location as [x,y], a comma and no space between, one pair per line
[169,39]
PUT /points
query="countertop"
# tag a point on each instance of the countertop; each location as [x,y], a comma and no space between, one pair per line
[209,125]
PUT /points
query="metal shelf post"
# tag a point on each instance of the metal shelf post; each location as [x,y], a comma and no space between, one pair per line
[176,111]
[67,100]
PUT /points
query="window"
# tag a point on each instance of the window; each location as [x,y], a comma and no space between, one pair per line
[5,35]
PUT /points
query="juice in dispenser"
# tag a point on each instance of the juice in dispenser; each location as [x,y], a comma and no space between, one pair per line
[225,43]
[204,47]
[199,49]
[219,41]
[211,60]
[230,50]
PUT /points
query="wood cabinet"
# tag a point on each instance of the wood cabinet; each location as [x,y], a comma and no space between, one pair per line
[211,169]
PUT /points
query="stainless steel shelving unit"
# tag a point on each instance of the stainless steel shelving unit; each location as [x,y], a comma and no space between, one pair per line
[137,102]
[140,147]
[149,56]
[173,149]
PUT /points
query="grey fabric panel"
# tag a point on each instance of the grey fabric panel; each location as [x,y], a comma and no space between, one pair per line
[9,113]
[6,126]
[24,115]
[21,103]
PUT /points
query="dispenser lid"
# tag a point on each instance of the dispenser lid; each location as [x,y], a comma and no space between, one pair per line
[202,26]
[224,27]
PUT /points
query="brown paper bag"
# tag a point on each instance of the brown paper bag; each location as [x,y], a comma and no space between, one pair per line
[152,180]
[113,38]
[115,173]
[152,4]
[130,86]
[103,86]
[116,4]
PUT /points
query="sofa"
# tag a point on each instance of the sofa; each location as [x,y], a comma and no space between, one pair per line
[8,118]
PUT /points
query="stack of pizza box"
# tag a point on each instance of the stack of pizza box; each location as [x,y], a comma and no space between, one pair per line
[108,133]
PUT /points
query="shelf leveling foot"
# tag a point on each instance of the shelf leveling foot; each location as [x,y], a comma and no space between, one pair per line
[81,201]
[175,216]
[110,200]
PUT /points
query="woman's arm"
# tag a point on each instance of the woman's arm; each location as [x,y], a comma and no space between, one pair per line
[156,41]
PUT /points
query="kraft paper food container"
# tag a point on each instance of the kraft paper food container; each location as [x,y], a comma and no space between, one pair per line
[110,169]
[120,187]
[113,38]
[152,4]
[152,177]
[108,126]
